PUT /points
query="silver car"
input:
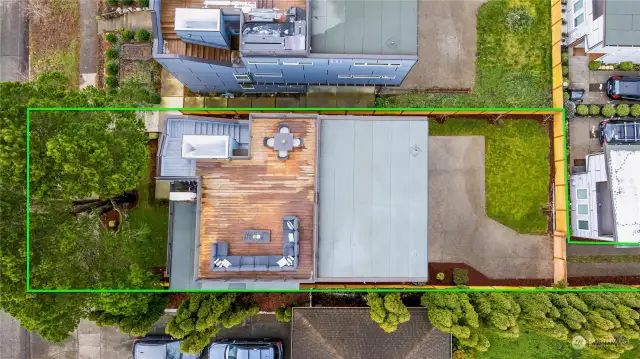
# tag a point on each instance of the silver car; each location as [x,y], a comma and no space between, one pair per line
[159,347]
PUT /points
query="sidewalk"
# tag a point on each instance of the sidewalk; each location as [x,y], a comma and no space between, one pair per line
[89,44]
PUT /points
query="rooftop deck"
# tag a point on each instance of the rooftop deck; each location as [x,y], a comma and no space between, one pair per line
[176,46]
[257,194]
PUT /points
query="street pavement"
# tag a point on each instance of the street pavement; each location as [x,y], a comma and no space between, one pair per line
[92,342]
[14,34]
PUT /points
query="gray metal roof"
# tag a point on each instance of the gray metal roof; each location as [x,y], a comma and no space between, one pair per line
[380,27]
[183,246]
[373,199]
[623,166]
[320,333]
[622,23]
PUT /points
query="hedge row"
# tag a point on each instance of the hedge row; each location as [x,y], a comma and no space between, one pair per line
[621,110]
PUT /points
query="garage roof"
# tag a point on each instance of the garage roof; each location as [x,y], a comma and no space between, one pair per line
[379,27]
[373,199]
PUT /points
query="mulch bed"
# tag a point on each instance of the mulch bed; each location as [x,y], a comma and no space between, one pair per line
[353,300]
[478,279]
[175,299]
[587,281]
[269,302]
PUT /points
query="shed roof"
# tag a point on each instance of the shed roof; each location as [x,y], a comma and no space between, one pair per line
[319,333]
[373,199]
[379,27]
[622,23]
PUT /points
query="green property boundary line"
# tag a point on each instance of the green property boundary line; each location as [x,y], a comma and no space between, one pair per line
[306,109]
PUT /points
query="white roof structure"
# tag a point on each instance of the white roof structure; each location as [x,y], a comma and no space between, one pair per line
[624,177]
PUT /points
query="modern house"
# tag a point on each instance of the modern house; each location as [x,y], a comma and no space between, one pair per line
[275,46]
[607,30]
[276,200]
[605,196]
[319,333]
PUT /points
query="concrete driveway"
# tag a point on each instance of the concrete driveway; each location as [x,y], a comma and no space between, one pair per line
[581,137]
[14,36]
[459,229]
[446,46]
[92,342]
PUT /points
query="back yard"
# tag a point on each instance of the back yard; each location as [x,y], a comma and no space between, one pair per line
[513,60]
[516,169]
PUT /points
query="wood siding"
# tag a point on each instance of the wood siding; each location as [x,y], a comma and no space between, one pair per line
[257,194]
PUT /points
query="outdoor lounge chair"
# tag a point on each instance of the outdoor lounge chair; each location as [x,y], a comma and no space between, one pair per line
[283,128]
[269,142]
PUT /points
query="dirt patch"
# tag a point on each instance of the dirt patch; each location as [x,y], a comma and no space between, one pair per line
[586,281]
[54,38]
[269,302]
[338,300]
[175,299]
[478,279]
[135,52]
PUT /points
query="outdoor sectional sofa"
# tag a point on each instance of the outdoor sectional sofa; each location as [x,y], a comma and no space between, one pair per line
[290,225]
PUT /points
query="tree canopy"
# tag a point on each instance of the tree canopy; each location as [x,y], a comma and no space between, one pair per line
[387,310]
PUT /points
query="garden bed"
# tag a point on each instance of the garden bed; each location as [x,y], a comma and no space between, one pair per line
[587,281]
[478,279]
[128,56]
[269,302]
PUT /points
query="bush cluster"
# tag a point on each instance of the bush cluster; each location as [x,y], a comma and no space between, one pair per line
[111,38]
[594,110]
[608,111]
[111,81]
[582,110]
[565,57]
[460,276]
[594,65]
[565,71]
[127,35]
[112,68]
[111,53]
[143,3]
[622,110]
[635,110]
[626,66]
[142,35]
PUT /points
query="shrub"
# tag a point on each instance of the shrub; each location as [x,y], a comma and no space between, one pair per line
[143,3]
[626,66]
[127,35]
[440,276]
[112,68]
[622,110]
[284,314]
[460,276]
[594,65]
[387,310]
[518,19]
[594,110]
[112,2]
[126,2]
[111,81]
[566,96]
[608,111]
[143,35]
[111,53]
[569,109]
[565,71]
[582,110]
[635,110]
[565,57]
[111,38]
[565,82]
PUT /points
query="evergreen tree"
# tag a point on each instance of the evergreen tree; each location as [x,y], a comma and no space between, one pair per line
[387,310]
[499,312]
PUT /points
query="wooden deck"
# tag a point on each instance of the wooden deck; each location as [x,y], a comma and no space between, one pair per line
[175,45]
[256,194]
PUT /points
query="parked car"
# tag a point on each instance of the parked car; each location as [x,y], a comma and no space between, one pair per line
[624,87]
[244,348]
[159,347]
[616,131]
[576,95]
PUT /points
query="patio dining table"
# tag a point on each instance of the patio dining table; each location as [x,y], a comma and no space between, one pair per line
[283,141]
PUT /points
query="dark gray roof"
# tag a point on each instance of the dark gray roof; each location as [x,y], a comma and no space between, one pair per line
[320,333]
[380,27]
[373,199]
[622,23]
[183,246]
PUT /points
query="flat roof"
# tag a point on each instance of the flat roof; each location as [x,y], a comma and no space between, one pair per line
[623,166]
[373,199]
[377,27]
[622,23]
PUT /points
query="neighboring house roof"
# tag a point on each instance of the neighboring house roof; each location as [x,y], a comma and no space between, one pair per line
[622,23]
[623,167]
[320,333]
[373,199]
[379,27]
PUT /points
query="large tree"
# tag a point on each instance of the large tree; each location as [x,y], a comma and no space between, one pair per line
[73,154]
[387,310]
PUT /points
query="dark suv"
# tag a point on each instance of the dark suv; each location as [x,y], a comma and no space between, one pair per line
[624,87]
[159,347]
[244,348]
[618,131]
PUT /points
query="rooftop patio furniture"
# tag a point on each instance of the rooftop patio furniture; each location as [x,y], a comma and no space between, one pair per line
[289,257]
[256,236]
[269,142]
[297,142]
[283,141]
[283,155]
[283,128]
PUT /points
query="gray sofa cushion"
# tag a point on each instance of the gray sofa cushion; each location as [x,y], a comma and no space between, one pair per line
[247,260]
[293,220]
[261,267]
[223,249]
[262,260]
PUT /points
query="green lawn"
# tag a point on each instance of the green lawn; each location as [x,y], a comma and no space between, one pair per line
[152,250]
[533,346]
[517,169]
[512,69]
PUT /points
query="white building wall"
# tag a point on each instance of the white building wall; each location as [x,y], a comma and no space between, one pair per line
[596,172]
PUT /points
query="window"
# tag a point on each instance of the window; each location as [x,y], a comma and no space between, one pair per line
[583,225]
[344,76]
[262,62]
[242,77]
[365,77]
[583,209]
[247,87]
[578,20]
[578,5]
[297,63]
[268,75]
[582,194]
[374,64]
